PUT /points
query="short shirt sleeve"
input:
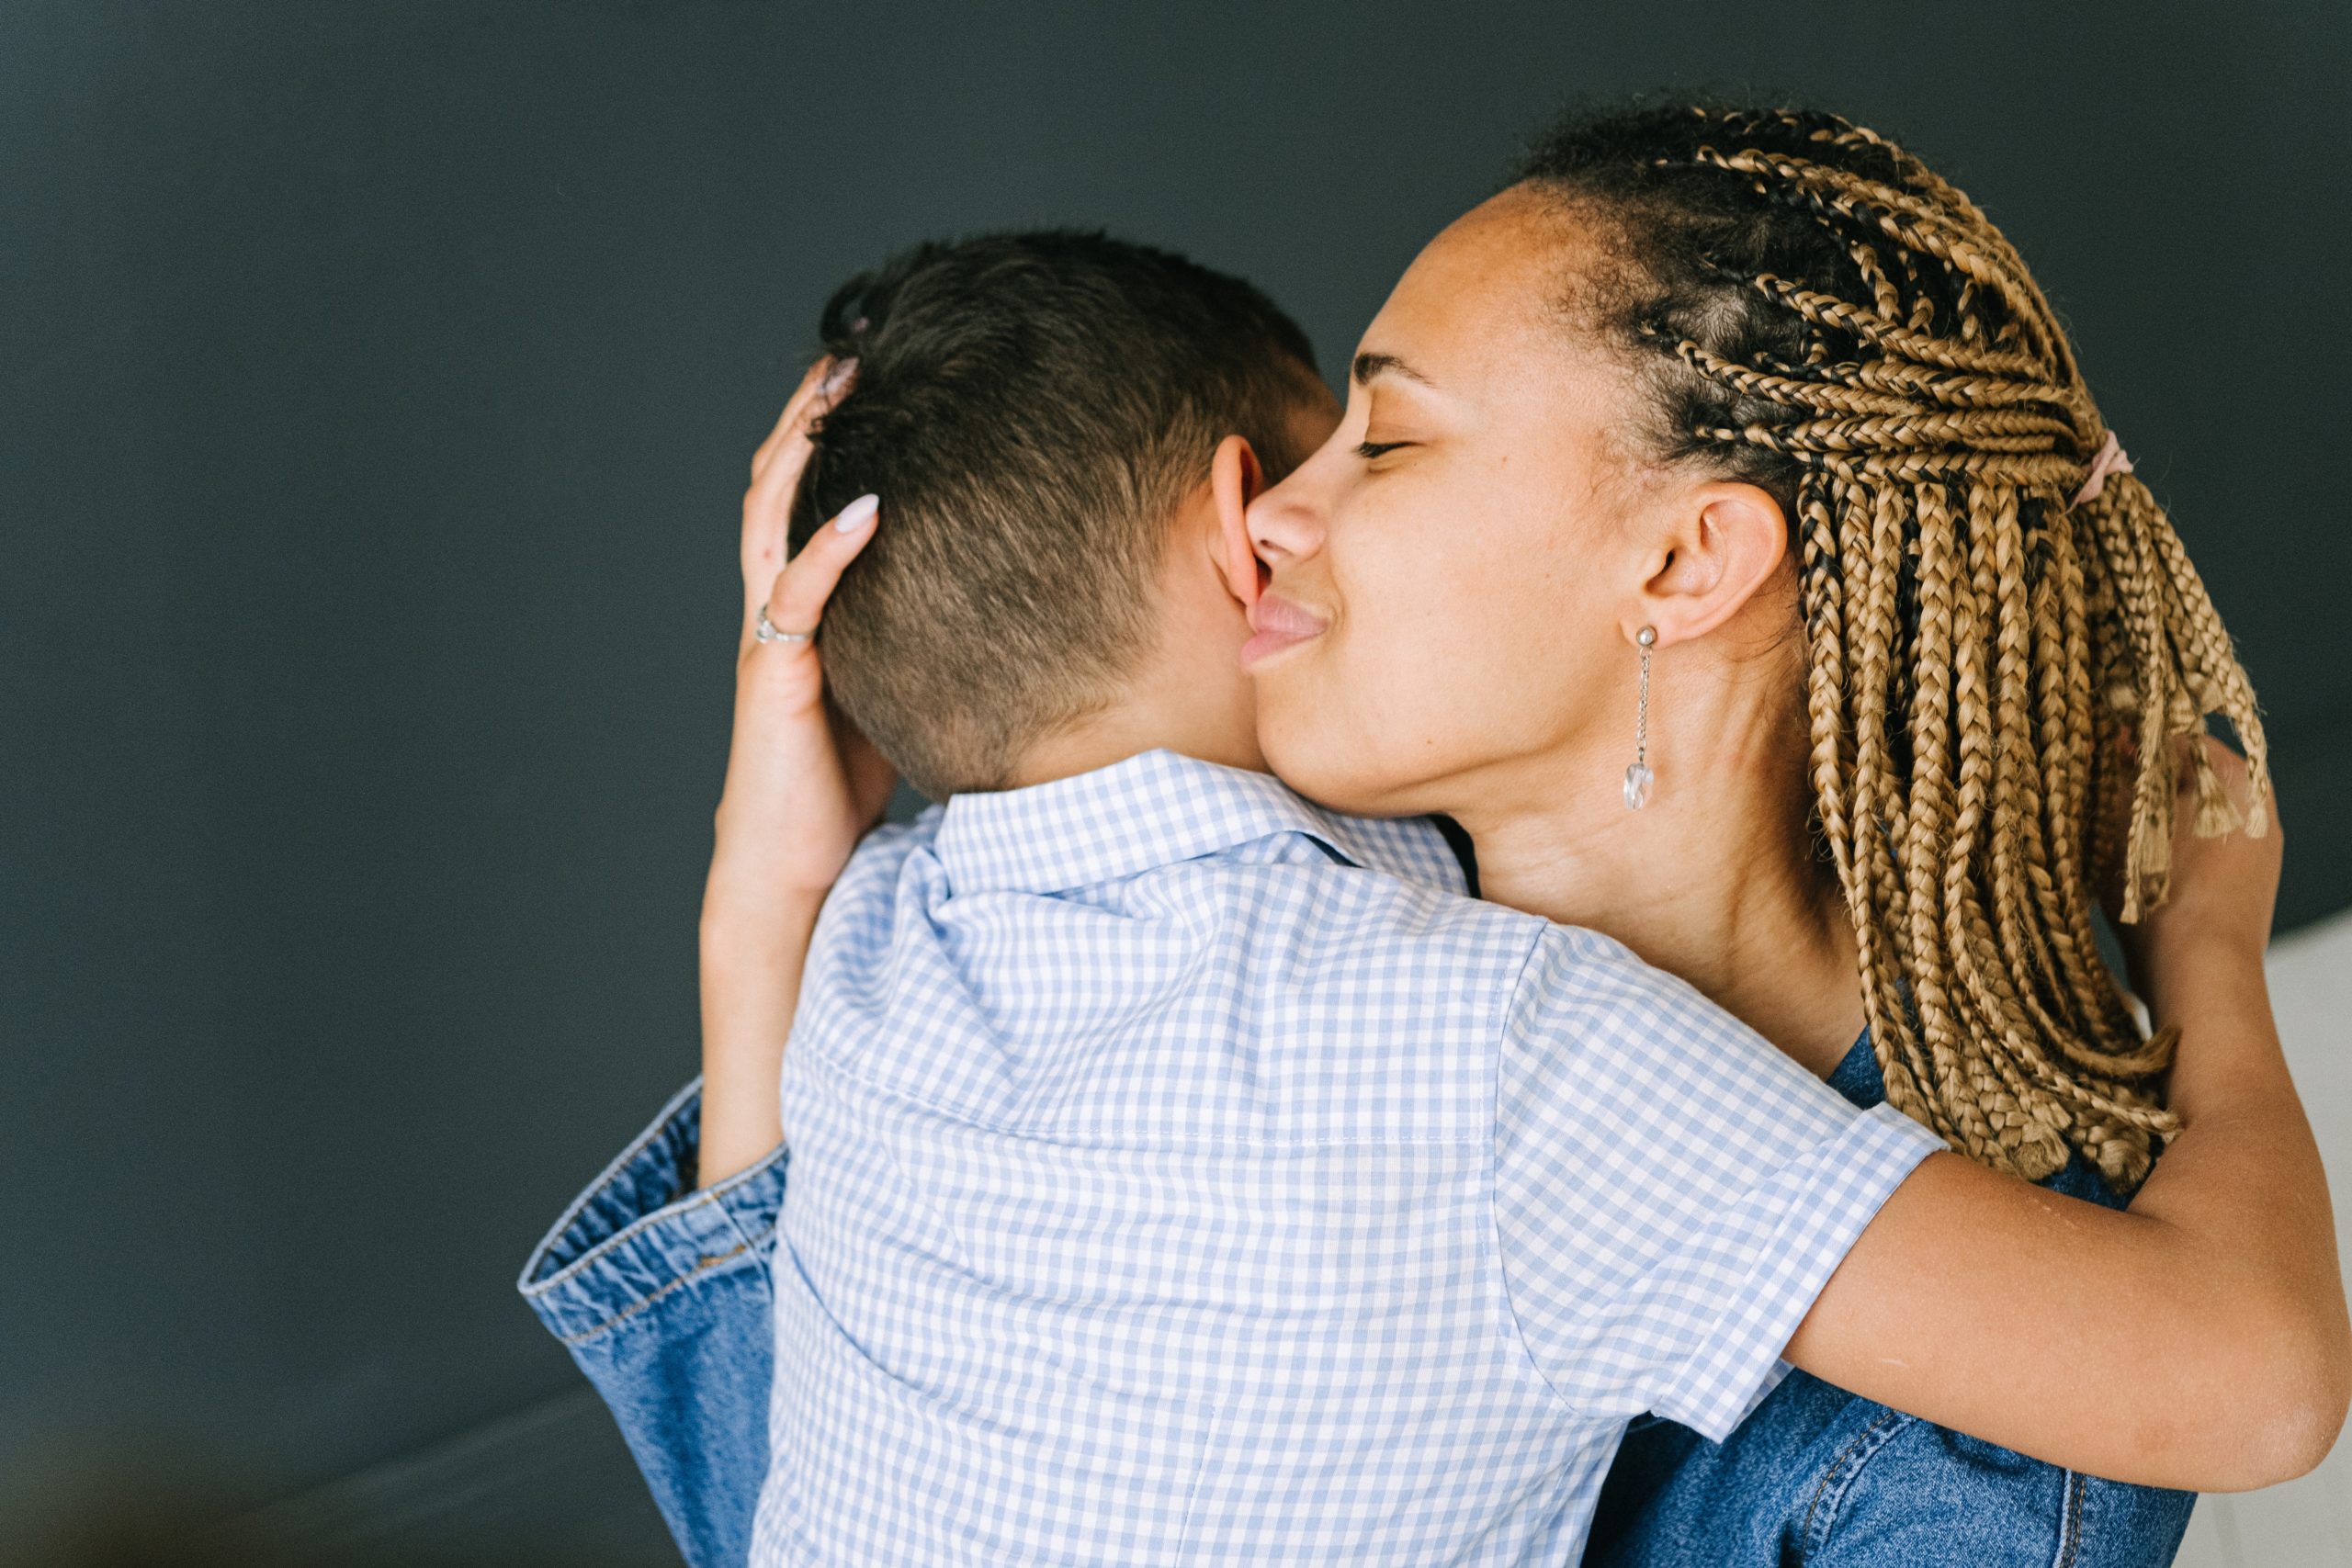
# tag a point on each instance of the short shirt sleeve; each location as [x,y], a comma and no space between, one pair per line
[1671,1192]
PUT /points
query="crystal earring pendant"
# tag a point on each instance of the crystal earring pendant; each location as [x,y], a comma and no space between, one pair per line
[1639,777]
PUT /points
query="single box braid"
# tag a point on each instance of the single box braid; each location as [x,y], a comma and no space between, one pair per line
[1996,671]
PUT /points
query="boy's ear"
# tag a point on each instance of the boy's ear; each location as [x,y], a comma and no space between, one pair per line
[1235,479]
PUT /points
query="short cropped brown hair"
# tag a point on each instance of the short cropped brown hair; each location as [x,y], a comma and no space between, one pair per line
[1030,407]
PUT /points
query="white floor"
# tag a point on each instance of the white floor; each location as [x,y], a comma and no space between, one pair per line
[2306,1523]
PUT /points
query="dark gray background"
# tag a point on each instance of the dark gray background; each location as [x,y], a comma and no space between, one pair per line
[377,385]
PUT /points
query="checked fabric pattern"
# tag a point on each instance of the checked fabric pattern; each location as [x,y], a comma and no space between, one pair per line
[1181,1173]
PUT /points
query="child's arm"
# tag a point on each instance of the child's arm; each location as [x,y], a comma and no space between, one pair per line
[801,788]
[2199,1341]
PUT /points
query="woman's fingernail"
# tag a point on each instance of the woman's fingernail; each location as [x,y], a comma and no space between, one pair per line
[837,377]
[858,514]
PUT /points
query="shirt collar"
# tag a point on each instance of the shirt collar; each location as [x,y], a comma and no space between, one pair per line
[1155,809]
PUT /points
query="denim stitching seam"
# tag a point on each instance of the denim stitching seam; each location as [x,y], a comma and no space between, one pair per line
[1832,1472]
[703,1267]
[2070,1532]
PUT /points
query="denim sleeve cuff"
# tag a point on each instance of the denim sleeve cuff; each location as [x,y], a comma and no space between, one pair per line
[638,1233]
[1836,1193]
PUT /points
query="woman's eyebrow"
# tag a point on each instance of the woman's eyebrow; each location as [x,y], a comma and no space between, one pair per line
[1368,365]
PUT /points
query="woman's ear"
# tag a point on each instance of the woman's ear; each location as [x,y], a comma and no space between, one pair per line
[1235,479]
[1727,543]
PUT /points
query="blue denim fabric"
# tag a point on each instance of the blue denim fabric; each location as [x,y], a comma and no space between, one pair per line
[1821,1477]
[664,1303]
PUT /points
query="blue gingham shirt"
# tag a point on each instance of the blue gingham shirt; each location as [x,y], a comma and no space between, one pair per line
[1182,1173]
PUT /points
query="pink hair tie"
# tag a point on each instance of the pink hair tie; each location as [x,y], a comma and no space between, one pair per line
[2110,460]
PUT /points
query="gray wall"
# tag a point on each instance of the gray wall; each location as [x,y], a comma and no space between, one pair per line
[377,382]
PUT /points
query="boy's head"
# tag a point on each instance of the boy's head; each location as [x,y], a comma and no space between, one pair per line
[1034,410]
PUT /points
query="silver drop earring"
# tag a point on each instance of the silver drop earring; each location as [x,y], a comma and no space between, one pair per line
[1639,777]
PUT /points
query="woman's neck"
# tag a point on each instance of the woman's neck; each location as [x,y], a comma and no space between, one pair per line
[1714,881]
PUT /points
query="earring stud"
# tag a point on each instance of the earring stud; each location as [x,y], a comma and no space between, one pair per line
[1639,777]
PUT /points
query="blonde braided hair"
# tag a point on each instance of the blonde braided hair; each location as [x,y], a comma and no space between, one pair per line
[1996,669]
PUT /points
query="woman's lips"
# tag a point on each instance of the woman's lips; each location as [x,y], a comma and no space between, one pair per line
[1278,623]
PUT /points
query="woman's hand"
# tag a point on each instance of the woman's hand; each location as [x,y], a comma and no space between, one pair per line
[2222,894]
[802,788]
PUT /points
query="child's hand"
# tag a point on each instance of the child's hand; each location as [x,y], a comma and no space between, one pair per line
[802,785]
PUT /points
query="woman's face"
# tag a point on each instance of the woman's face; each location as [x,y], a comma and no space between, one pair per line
[1451,574]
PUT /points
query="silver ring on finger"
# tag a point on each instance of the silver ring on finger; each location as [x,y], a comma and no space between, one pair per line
[764,630]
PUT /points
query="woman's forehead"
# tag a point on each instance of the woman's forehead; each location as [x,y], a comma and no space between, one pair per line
[1487,290]
[1481,320]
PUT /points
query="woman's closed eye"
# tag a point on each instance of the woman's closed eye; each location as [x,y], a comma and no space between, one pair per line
[1371,449]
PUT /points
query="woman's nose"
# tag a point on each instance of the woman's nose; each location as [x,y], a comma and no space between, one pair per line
[1286,522]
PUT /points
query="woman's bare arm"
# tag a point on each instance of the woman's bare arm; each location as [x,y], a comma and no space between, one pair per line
[2199,1339]
[801,788]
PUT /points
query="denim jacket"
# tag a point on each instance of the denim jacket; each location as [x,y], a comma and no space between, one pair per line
[660,1294]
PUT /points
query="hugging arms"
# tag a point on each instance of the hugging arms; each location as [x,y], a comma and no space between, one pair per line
[1990,1289]
[1441,606]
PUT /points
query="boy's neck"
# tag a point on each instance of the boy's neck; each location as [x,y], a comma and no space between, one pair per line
[1196,706]
[1187,693]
